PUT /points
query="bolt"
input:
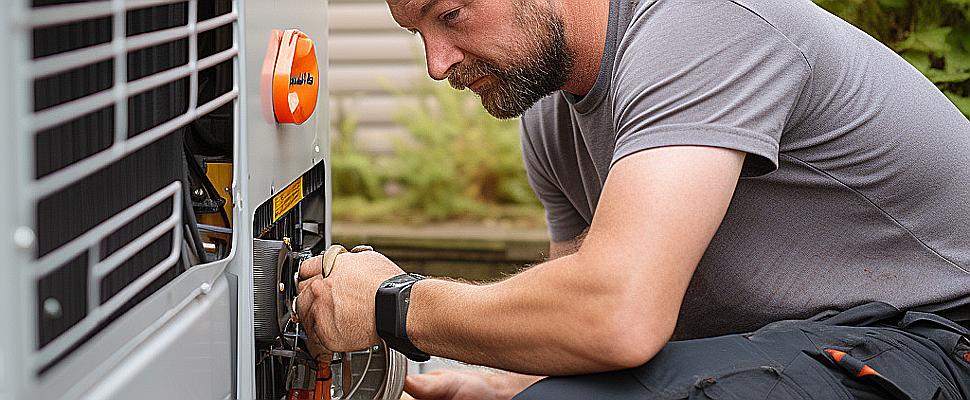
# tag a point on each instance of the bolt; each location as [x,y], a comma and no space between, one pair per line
[24,237]
[52,308]
[205,287]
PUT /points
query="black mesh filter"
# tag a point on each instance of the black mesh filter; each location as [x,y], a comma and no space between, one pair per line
[215,40]
[156,18]
[73,84]
[66,288]
[41,3]
[156,106]
[155,59]
[215,81]
[136,266]
[72,141]
[149,290]
[137,227]
[213,8]
[56,39]
[73,210]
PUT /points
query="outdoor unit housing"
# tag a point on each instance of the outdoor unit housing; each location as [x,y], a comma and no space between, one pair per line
[140,165]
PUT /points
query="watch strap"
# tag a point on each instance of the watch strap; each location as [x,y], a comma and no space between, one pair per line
[391,310]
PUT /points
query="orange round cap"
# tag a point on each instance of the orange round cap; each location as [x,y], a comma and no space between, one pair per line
[296,78]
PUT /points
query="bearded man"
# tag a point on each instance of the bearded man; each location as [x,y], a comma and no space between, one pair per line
[746,199]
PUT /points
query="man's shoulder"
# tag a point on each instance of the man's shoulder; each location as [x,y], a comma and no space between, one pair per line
[546,116]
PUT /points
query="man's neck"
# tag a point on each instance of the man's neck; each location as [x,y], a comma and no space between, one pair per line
[586,28]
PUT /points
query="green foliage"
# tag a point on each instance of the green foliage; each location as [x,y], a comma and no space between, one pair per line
[352,171]
[933,35]
[459,163]
[461,160]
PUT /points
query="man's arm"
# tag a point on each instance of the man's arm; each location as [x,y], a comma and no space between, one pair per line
[611,305]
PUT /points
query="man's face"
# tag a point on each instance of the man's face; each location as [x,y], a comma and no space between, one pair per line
[510,52]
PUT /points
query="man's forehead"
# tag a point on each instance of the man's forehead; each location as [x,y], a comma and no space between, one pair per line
[405,11]
[408,12]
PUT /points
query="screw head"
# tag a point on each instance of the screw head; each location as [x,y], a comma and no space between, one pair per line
[24,237]
[52,308]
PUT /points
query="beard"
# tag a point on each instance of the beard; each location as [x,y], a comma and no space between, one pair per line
[543,70]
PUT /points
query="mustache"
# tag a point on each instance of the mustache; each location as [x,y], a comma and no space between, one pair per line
[463,75]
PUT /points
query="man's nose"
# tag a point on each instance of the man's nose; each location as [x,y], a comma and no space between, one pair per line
[441,55]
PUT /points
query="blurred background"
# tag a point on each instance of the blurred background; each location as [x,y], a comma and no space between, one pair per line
[421,172]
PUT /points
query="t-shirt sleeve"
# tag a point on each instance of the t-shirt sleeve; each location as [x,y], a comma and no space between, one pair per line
[705,73]
[562,219]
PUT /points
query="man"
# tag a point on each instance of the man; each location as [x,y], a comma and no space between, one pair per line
[708,167]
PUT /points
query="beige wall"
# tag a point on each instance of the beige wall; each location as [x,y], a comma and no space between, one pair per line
[368,54]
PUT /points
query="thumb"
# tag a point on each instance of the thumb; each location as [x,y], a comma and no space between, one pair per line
[427,387]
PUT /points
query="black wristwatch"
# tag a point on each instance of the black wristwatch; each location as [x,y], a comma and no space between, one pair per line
[391,313]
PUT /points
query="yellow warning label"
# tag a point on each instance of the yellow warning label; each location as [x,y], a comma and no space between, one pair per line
[287,198]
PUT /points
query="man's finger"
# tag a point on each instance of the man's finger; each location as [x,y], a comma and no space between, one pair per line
[304,303]
[311,267]
[304,284]
[310,307]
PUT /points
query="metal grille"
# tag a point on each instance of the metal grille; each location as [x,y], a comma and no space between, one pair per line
[114,84]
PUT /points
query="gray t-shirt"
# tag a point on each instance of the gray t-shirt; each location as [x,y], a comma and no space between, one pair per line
[856,184]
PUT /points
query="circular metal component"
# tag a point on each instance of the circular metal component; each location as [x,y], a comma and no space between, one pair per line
[269,316]
[376,374]
[52,308]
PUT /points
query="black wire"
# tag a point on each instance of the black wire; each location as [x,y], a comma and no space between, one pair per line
[188,212]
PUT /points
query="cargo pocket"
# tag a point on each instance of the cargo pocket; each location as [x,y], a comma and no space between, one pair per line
[881,364]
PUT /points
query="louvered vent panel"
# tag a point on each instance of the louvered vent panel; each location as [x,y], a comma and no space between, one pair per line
[57,39]
[109,124]
[73,141]
[73,84]
[156,18]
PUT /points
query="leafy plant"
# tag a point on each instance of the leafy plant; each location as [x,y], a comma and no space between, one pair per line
[933,35]
[353,172]
[458,163]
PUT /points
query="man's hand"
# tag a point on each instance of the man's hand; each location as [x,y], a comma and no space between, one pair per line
[446,384]
[338,312]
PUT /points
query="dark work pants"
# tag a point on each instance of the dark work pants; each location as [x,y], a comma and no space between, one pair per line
[873,351]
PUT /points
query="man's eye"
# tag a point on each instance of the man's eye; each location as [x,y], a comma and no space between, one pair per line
[450,15]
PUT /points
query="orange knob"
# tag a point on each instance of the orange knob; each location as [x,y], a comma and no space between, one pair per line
[296,78]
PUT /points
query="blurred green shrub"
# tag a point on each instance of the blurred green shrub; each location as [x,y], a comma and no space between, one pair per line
[459,163]
[933,35]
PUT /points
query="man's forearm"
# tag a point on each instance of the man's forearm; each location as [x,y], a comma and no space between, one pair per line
[552,319]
